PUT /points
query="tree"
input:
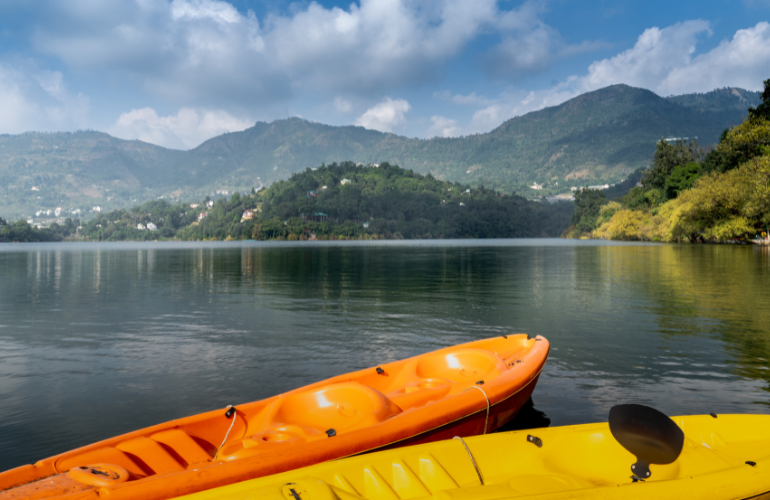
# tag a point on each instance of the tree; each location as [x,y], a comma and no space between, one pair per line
[763,110]
[668,156]
[624,225]
[713,209]
[588,203]
[744,142]
[682,178]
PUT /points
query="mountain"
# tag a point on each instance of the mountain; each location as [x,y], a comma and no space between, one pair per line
[597,137]
[75,170]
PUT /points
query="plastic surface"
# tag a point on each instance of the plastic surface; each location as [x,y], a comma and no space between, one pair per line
[575,462]
[421,399]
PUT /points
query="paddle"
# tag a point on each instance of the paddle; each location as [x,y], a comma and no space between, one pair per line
[648,434]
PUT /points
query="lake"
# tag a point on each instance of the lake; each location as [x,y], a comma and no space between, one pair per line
[101,339]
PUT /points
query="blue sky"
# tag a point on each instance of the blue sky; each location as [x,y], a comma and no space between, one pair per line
[176,73]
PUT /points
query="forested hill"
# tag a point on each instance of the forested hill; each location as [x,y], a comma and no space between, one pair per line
[341,201]
[395,200]
[598,137]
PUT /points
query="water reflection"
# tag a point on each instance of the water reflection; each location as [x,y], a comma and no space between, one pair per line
[101,339]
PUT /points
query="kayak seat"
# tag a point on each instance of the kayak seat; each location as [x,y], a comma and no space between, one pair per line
[343,407]
[308,415]
[463,366]
[611,465]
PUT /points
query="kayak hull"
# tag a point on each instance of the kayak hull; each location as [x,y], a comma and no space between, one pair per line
[723,458]
[459,390]
[473,425]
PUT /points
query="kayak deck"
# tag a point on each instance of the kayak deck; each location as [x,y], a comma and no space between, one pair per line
[576,462]
[469,389]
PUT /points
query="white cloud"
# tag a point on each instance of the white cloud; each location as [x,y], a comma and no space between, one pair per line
[529,45]
[186,129]
[743,62]
[385,116]
[656,54]
[221,12]
[206,52]
[663,60]
[443,127]
[17,110]
[34,99]
[342,105]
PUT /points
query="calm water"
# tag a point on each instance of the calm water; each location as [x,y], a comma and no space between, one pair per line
[102,339]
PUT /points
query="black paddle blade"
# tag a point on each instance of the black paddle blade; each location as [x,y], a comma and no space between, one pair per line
[648,434]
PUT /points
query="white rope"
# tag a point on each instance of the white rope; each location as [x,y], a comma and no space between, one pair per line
[235,415]
[478,472]
[486,420]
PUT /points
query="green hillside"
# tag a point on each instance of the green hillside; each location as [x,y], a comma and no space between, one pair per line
[724,100]
[598,137]
[41,171]
[337,201]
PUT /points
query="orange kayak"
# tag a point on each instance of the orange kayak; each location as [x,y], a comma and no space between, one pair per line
[464,390]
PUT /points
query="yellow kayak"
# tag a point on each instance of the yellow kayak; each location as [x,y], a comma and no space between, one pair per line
[715,457]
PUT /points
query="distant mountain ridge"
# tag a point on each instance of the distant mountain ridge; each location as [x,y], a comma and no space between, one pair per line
[597,137]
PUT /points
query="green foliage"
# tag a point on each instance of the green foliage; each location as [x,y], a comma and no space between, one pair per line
[21,231]
[674,168]
[762,110]
[395,202]
[667,157]
[606,212]
[641,198]
[681,178]
[716,160]
[588,203]
[623,225]
[713,209]
[124,225]
[740,144]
